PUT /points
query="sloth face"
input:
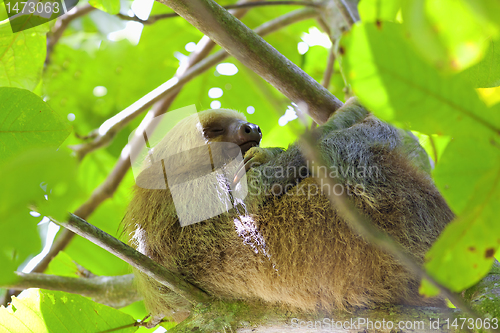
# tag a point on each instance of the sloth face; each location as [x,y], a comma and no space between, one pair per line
[230,129]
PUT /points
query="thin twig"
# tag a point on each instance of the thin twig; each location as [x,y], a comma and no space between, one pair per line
[154,18]
[327,76]
[115,291]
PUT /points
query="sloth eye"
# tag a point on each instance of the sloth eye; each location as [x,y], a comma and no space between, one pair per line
[214,131]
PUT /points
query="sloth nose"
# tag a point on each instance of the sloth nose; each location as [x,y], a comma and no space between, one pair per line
[251,132]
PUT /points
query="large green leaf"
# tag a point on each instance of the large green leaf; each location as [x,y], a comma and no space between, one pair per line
[392,81]
[469,172]
[488,10]
[55,311]
[22,55]
[447,32]
[486,73]
[43,178]
[378,10]
[398,86]
[62,265]
[27,122]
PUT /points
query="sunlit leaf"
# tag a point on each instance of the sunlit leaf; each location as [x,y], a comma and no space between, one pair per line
[62,265]
[378,10]
[398,86]
[45,311]
[22,55]
[486,73]
[447,33]
[27,122]
[108,6]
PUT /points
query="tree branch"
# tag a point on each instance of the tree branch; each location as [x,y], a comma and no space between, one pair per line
[327,76]
[134,258]
[348,16]
[154,18]
[115,291]
[255,53]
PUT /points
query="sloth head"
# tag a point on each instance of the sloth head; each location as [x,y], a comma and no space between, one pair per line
[200,142]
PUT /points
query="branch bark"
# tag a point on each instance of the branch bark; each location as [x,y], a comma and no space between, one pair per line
[115,291]
[255,53]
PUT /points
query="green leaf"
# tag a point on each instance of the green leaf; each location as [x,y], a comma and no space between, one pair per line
[398,86]
[461,179]
[22,55]
[9,266]
[464,252]
[447,33]
[428,289]
[44,178]
[43,311]
[486,73]
[27,122]
[109,6]
[488,10]
[31,176]
[378,10]
[62,265]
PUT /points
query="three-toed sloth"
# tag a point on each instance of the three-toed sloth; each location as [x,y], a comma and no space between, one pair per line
[283,243]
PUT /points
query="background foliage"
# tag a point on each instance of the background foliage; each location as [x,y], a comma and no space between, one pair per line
[408,61]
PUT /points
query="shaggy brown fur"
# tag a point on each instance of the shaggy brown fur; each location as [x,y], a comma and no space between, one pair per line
[293,249]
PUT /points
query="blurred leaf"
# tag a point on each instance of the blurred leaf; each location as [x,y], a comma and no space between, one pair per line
[428,289]
[9,266]
[462,170]
[447,33]
[106,80]
[490,96]
[62,265]
[464,252]
[378,10]
[43,311]
[488,10]
[108,6]
[398,86]
[34,175]
[28,179]
[434,145]
[315,60]
[22,55]
[486,73]
[27,122]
